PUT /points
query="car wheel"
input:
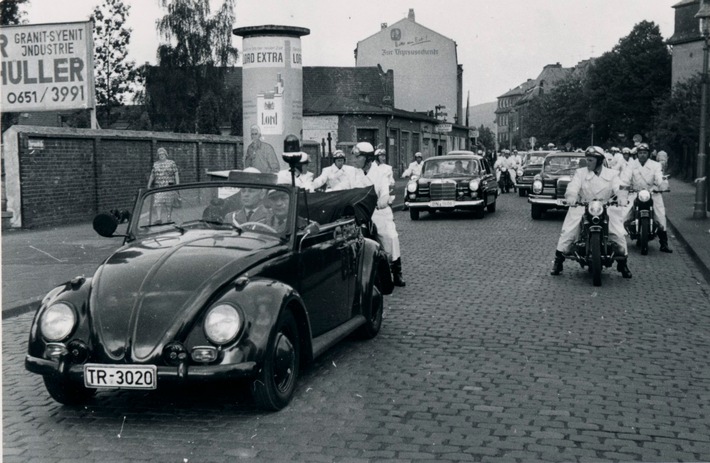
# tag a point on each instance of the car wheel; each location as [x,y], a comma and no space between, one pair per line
[414,214]
[479,213]
[67,392]
[374,316]
[536,212]
[521,192]
[277,378]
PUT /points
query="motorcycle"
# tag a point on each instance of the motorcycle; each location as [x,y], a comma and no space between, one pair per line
[593,248]
[504,181]
[642,226]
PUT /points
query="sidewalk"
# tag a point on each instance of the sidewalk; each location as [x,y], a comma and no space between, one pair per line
[694,234]
[34,261]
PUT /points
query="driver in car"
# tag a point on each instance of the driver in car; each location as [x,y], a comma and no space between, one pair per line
[252,209]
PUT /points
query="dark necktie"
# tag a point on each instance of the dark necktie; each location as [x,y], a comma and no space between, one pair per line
[249,213]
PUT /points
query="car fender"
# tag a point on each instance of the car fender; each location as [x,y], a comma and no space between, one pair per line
[262,301]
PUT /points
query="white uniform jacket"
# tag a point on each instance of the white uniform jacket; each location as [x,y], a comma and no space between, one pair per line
[302,181]
[414,168]
[648,176]
[586,186]
[382,217]
[386,170]
[334,178]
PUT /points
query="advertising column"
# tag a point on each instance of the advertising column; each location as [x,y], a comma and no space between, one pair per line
[272,92]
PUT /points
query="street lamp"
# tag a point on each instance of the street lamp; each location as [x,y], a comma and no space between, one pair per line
[700,209]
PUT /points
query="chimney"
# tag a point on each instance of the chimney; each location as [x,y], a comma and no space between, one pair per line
[410,16]
[383,26]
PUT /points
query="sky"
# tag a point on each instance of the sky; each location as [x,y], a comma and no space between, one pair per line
[500,43]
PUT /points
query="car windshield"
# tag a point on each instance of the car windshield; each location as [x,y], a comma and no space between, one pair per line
[255,209]
[534,159]
[449,167]
[563,164]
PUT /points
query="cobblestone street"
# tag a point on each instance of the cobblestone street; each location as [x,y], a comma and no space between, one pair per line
[483,356]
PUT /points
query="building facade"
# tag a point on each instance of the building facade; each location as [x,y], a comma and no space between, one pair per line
[687,43]
[425,64]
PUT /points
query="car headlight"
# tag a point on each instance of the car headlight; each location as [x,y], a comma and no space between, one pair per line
[537,186]
[57,321]
[412,187]
[520,172]
[222,323]
[596,208]
[644,195]
[474,184]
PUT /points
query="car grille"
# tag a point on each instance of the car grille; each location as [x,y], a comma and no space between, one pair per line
[442,191]
[562,187]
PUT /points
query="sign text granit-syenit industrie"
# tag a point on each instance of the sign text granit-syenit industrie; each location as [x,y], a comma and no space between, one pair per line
[47,67]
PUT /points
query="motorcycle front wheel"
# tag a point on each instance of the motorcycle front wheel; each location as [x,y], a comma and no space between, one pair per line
[644,233]
[595,258]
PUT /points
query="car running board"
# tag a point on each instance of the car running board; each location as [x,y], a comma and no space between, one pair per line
[327,339]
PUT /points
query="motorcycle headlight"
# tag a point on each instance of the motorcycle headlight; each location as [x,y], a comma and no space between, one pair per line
[644,195]
[57,322]
[474,184]
[222,323]
[537,186]
[412,187]
[596,208]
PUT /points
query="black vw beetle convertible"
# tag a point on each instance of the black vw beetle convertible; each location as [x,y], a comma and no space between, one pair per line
[209,294]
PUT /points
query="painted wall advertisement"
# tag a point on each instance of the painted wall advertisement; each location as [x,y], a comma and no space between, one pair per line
[272,98]
[47,67]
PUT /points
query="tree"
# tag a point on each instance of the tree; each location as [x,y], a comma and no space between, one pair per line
[560,116]
[10,12]
[486,138]
[676,125]
[189,80]
[623,83]
[115,75]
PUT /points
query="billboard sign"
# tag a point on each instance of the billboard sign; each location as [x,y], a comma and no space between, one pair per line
[47,67]
[443,128]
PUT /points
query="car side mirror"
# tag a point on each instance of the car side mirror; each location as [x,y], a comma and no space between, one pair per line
[312,228]
[105,224]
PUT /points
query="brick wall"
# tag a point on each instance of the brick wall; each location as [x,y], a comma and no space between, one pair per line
[57,176]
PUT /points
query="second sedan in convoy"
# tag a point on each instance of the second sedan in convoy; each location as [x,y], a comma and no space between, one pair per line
[550,185]
[461,180]
[532,165]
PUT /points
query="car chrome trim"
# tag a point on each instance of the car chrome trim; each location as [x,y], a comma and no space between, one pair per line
[326,340]
[168,373]
[418,205]
[538,200]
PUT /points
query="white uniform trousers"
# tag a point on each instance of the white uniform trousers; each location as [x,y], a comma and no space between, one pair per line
[387,232]
[573,222]
[659,209]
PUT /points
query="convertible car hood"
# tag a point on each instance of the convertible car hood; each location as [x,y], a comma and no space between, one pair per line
[148,291]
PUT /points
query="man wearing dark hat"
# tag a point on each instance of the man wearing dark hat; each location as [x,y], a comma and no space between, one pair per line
[592,182]
[382,217]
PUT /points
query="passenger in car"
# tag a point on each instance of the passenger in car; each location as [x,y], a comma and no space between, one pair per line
[252,208]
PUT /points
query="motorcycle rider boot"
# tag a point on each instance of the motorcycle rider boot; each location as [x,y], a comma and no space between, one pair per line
[557,265]
[397,277]
[623,267]
[663,239]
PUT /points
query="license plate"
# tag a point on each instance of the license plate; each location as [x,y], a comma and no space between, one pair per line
[442,203]
[120,376]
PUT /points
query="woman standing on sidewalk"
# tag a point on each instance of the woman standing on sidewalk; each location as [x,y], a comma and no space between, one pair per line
[164,173]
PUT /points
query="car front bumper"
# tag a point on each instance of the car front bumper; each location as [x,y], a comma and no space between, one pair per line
[546,201]
[181,373]
[437,204]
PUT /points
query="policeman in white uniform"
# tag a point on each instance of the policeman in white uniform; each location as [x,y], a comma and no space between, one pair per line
[303,180]
[507,162]
[386,169]
[415,167]
[383,218]
[592,182]
[336,176]
[647,174]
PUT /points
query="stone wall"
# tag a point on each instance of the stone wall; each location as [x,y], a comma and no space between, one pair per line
[57,176]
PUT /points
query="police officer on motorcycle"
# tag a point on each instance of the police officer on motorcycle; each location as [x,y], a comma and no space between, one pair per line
[647,174]
[592,182]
